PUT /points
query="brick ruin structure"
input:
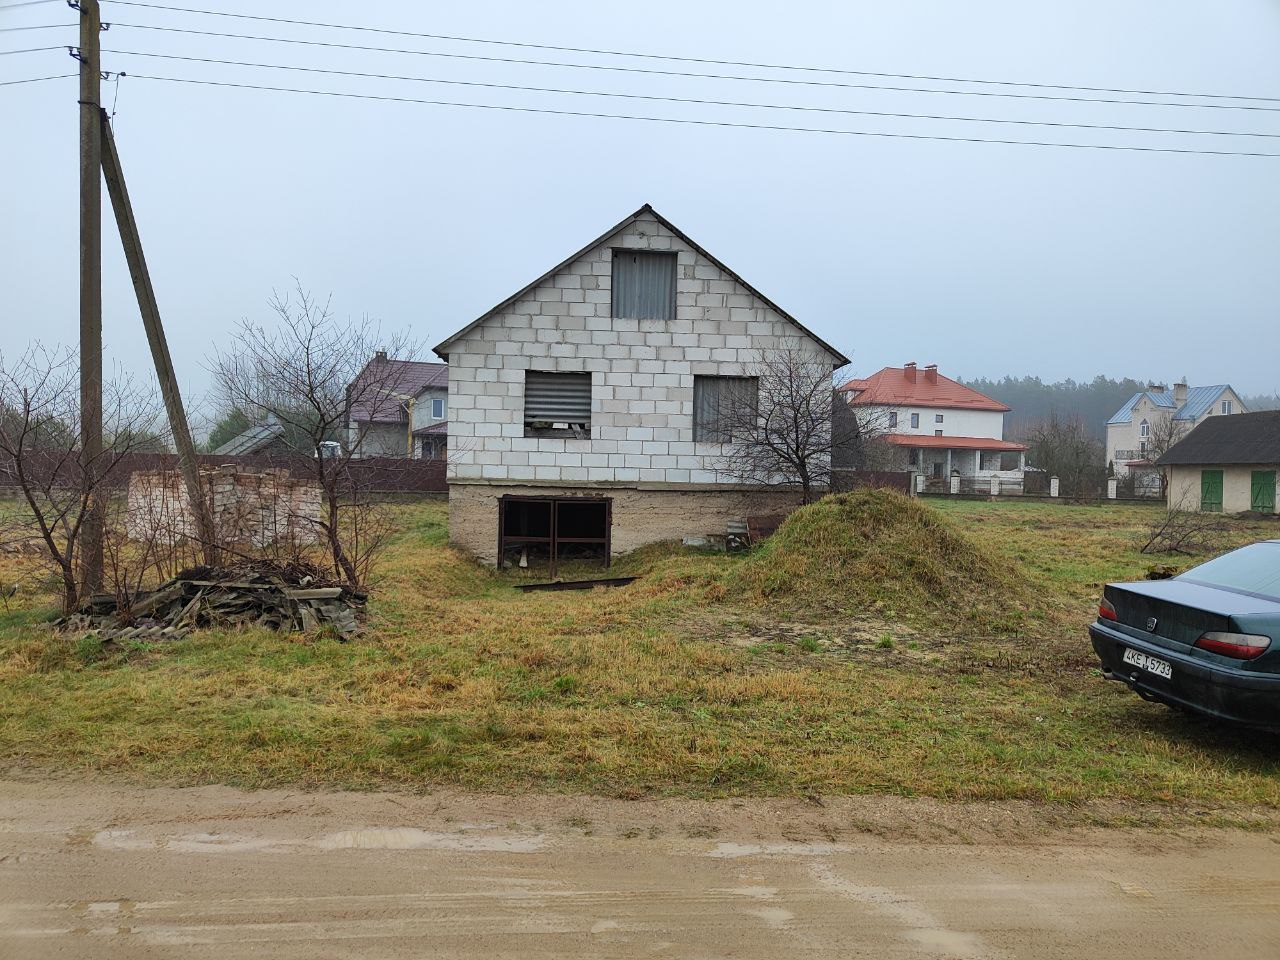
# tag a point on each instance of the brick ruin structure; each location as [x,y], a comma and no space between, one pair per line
[252,507]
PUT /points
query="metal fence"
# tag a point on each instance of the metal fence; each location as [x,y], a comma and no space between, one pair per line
[845,480]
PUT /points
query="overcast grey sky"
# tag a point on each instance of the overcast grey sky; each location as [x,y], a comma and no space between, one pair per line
[986,259]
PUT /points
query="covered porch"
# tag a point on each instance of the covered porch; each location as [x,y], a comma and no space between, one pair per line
[972,459]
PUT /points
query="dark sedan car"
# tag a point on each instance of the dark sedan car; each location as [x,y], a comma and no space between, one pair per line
[1207,640]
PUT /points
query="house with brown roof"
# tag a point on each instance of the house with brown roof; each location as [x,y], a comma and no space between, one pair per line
[936,427]
[406,416]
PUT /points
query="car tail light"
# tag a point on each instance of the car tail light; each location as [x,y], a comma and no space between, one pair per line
[1107,610]
[1242,646]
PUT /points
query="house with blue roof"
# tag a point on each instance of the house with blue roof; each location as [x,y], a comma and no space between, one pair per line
[1153,420]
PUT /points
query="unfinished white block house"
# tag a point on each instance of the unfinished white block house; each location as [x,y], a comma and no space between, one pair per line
[581,408]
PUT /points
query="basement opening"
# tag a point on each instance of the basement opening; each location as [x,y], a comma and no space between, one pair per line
[536,531]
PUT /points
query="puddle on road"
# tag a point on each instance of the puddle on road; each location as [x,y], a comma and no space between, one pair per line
[410,838]
[772,916]
[730,851]
[372,838]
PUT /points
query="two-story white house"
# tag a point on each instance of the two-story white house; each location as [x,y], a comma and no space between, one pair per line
[936,427]
[580,408]
[1153,420]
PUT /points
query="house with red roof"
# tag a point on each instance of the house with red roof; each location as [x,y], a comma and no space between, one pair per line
[936,427]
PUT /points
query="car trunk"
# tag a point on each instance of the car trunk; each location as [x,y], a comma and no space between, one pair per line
[1175,623]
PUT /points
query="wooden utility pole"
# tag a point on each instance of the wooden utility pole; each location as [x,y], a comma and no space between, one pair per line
[188,461]
[90,293]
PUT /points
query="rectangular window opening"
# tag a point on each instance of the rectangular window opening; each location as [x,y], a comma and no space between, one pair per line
[550,531]
[937,418]
[437,408]
[557,404]
[723,407]
[893,419]
[915,420]
[643,285]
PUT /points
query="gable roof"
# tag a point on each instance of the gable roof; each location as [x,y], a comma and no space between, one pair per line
[891,387]
[1242,438]
[442,349]
[1199,400]
[406,377]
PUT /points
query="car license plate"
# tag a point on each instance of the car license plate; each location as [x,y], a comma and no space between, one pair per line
[1161,668]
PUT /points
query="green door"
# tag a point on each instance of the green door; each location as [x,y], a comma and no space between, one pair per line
[1262,491]
[1211,491]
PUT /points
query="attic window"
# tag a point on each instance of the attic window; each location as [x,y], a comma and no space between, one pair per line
[557,404]
[644,285]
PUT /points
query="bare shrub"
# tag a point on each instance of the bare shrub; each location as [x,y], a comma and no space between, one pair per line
[40,457]
[1182,531]
[309,371]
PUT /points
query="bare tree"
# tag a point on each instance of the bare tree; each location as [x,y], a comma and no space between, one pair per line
[310,371]
[860,433]
[1063,447]
[1163,433]
[777,423]
[40,454]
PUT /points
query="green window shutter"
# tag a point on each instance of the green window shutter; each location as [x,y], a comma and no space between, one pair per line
[1262,491]
[1210,491]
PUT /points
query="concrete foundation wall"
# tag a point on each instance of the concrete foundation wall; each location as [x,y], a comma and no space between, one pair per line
[640,516]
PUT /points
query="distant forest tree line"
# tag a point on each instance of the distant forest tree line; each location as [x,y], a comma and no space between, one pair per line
[1094,401]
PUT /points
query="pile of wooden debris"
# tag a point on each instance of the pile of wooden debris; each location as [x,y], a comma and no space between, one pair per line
[281,597]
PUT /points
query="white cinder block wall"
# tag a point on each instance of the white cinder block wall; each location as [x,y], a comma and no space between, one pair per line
[641,371]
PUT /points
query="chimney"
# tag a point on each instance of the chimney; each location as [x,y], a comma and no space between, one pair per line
[931,373]
[909,370]
[380,355]
[1180,392]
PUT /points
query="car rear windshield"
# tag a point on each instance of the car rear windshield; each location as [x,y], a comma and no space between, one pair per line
[1254,569]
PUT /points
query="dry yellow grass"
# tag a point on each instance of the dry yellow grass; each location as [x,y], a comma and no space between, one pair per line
[676,684]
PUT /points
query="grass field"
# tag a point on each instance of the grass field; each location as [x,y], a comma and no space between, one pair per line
[687,682]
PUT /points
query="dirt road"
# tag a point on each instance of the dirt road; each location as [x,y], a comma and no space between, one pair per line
[89,870]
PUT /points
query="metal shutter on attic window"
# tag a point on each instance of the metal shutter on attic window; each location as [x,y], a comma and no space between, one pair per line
[557,397]
[644,285]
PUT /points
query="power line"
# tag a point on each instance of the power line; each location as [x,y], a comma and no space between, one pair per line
[43,26]
[60,76]
[680,59]
[684,73]
[6,53]
[28,3]
[706,123]
[687,100]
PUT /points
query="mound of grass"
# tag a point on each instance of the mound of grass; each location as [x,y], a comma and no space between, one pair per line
[877,551]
